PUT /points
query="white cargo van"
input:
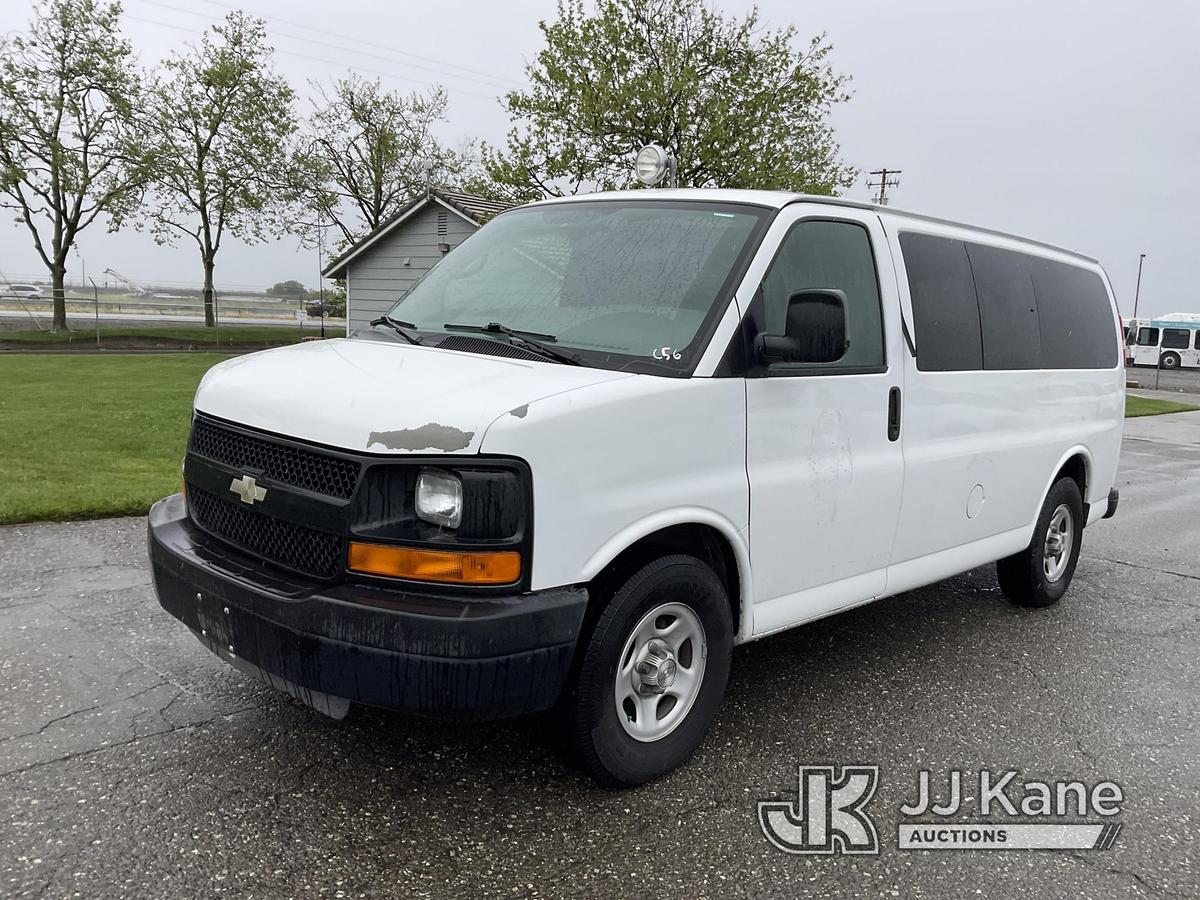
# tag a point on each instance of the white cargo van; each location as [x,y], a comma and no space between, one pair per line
[610,437]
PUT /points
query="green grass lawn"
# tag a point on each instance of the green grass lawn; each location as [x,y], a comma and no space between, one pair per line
[91,435]
[88,436]
[1141,406]
[167,336]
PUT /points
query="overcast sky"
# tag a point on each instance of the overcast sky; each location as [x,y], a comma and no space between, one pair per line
[1071,121]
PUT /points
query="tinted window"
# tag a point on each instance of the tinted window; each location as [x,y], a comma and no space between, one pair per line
[945,312]
[1176,338]
[1075,316]
[820,255]
[1147,337]
[1008,312]
[1197,344]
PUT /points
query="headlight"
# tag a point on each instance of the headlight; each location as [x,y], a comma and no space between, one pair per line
[439,498]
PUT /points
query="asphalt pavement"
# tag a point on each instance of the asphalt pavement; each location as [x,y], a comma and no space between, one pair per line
[135,764]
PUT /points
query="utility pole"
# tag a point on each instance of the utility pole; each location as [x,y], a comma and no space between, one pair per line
[886,180]
[1137,290]
[321,272]
[883,183]
[96,297]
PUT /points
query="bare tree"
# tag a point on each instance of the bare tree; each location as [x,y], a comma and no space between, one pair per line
[366,152]
[222,121]
[69,144]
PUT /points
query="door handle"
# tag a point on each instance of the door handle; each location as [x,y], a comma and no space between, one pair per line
[894,414]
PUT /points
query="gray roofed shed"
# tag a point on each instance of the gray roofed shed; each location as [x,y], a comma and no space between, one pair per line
[389,260]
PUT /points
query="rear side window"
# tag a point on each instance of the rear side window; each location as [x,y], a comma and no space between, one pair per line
[981,307]
[945,312]
[1176,338]
[1008,311]
[1147,337]
[1197,344]
[1075,316]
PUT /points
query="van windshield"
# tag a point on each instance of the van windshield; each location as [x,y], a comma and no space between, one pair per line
[624,285]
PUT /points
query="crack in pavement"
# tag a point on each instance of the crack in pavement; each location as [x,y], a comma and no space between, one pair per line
[66,757]
[86,709]
[55,720]
[1121,562]
[1156,890]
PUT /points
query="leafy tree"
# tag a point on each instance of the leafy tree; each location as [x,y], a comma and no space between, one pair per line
[222,121]
[69,147]
[737,103]
[291,288]
[366,152]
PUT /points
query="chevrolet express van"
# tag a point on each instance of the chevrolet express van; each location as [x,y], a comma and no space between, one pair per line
[610,437]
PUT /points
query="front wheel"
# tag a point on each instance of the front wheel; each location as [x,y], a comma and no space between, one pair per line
[653,673]
[1041,573]
[1170,361]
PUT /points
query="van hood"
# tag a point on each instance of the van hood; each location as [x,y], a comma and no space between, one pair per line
[382,397]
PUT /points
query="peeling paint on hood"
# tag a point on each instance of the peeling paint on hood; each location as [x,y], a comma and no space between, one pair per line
[387,398]
[428,437]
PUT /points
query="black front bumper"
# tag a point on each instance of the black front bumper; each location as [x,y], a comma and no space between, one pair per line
[457,657]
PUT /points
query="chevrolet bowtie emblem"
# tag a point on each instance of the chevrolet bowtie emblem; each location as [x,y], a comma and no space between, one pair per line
[246,488]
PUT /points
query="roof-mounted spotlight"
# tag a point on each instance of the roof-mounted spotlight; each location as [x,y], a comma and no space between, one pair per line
[652,164]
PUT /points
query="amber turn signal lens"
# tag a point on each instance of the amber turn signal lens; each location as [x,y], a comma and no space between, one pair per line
[444,566]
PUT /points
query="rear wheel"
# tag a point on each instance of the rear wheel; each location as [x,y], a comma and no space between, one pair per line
[1170,361]
[653,673]
[1041,573]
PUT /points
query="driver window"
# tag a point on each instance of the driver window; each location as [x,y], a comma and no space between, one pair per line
[829,255]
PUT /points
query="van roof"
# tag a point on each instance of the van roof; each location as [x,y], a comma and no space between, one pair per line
[780,199]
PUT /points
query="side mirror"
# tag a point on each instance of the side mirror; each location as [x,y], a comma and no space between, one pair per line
[815,331]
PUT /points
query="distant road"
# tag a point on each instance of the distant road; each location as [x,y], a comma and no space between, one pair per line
[1185,380]
[161,319]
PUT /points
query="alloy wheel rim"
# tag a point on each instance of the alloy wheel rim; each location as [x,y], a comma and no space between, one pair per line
[659,671]
[1060,537]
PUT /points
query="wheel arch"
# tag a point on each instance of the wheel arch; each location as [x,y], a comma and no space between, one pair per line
[1078,464]
[700,532]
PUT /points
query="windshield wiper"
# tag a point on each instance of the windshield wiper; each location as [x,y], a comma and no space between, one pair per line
[525,339]
[406,330]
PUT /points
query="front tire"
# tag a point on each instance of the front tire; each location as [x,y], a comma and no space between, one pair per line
[653,673]
[1170,361]
[1040,574]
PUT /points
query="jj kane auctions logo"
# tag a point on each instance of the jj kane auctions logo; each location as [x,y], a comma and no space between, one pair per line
[830,813]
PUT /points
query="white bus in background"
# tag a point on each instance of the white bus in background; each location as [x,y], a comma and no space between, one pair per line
[1172,341]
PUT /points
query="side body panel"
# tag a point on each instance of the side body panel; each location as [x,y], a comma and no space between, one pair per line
[623,459]
[982,447]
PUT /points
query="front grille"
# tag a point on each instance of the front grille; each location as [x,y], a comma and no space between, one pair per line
[301,549]
[306,469]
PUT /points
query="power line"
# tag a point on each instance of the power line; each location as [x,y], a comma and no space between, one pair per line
[883,184]
[358,40]
[439,67]
[380,72]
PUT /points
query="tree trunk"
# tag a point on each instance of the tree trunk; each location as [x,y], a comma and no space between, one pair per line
[209,317]
[57,276]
